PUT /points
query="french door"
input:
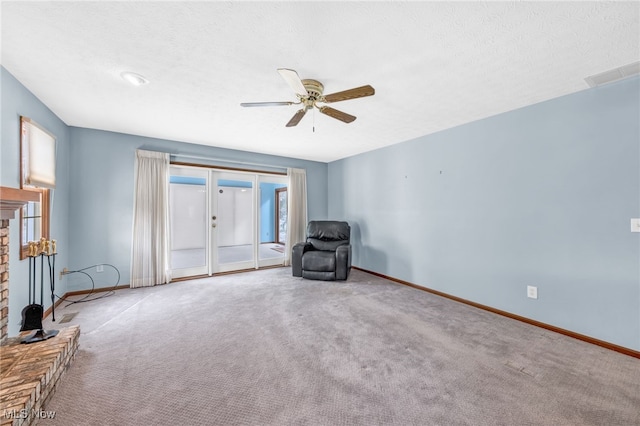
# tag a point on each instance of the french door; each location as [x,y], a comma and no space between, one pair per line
[223,221]
[232,221]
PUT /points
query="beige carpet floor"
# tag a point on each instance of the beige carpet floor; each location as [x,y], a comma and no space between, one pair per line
[265,348]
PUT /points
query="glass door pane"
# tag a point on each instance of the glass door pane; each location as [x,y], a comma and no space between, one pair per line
[272,239]
[234,221]
[281,219]
[188,195]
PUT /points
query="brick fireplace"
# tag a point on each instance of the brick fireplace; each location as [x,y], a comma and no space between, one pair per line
[29,373]
[4,279]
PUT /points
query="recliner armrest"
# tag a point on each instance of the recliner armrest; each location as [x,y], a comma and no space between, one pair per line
[296,257]
[343,262]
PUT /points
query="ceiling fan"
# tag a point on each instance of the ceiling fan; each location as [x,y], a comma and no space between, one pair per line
[309,93]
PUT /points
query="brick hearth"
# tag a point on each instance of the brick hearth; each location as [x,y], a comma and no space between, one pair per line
[29,374]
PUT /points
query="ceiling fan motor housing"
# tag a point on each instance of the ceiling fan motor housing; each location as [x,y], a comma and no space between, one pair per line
[314,89]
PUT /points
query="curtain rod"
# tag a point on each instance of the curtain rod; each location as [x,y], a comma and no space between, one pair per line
[247,163]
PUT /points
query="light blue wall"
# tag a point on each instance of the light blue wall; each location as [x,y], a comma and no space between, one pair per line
[539,196]
[102,167]
[17,101]
[188,180]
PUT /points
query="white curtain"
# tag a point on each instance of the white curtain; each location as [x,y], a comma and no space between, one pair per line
[297,210]
[150,254]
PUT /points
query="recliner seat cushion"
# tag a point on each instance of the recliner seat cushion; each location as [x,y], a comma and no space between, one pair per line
[320,261]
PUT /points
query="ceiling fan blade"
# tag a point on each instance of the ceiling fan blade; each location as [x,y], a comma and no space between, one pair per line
[342,116]
[296,118]
[292,78]
[358,92]
[262,104]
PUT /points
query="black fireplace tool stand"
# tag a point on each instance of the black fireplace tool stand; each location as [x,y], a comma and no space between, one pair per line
[33,313]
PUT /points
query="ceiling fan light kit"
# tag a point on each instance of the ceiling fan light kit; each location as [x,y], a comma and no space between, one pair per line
[310,94]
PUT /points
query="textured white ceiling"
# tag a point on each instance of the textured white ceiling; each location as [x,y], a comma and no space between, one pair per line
[434,65]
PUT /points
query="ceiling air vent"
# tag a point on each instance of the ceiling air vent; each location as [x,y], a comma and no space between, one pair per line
[613,75]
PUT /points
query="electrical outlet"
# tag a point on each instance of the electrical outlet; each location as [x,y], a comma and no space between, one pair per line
[100,268]
[64,272]
[532,292]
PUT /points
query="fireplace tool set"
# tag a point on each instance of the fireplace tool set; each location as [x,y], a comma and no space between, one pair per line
[32,314]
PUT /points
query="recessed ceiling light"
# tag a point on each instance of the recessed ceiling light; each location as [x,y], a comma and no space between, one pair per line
[133,78]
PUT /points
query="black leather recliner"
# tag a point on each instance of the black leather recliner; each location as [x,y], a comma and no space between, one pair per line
[326,255]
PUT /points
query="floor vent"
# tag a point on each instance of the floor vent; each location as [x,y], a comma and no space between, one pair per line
[67,317]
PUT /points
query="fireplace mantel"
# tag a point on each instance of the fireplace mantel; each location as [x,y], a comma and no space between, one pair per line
[11,199]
